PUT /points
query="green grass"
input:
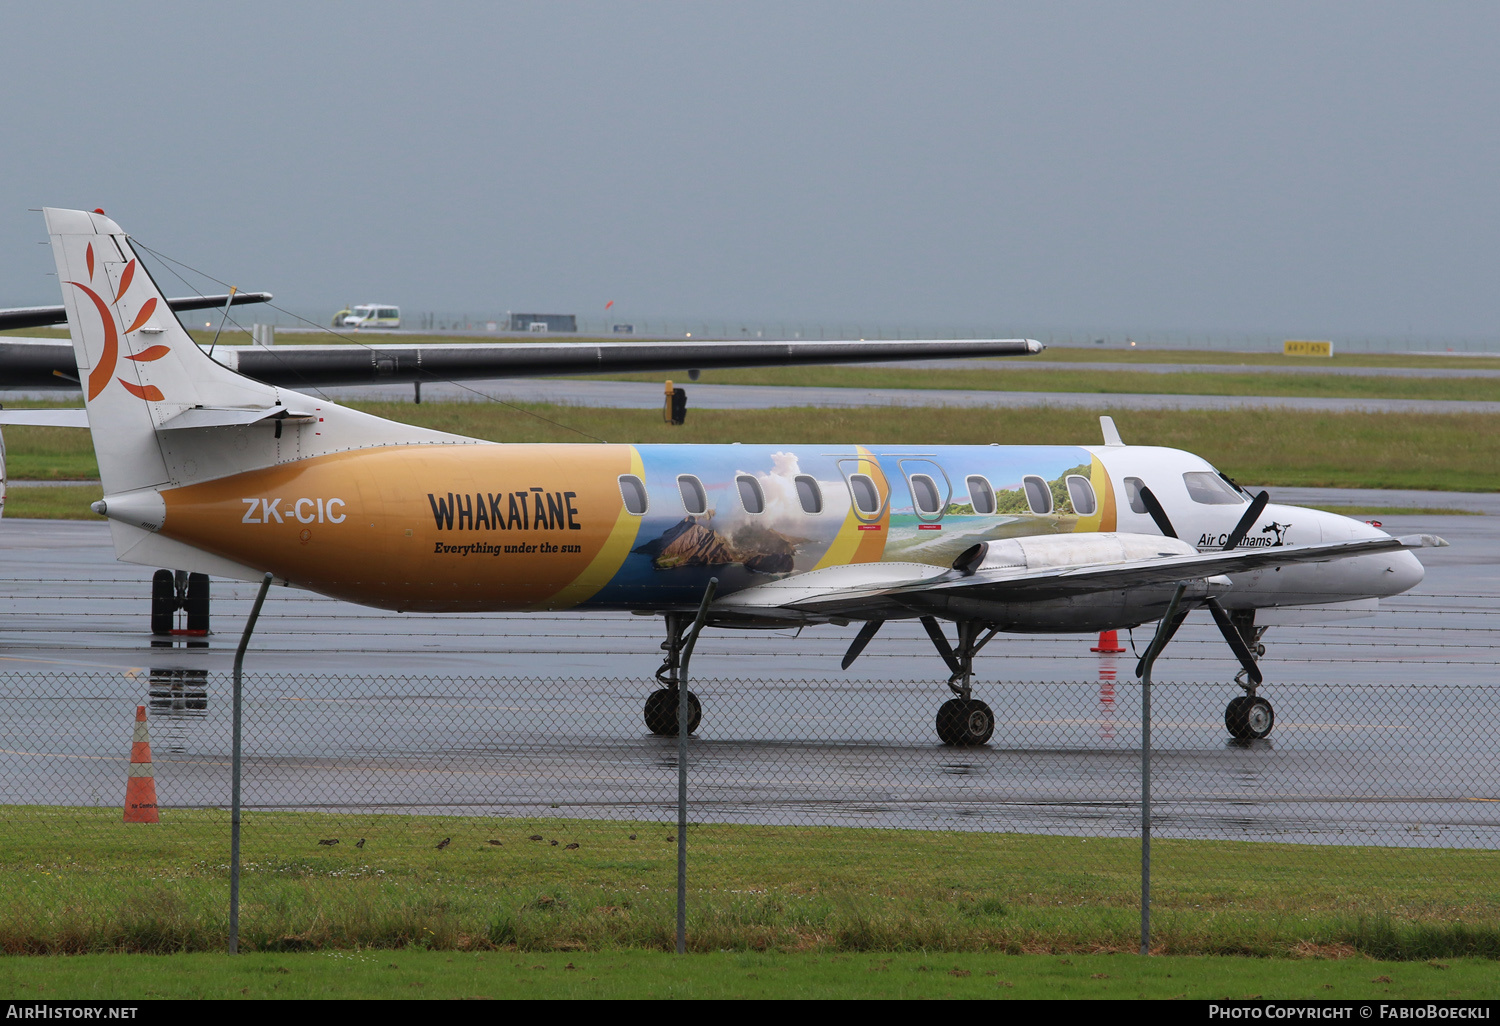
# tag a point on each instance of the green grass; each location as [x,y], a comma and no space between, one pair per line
[1439,452]
[1015,376]
[76,881]
[628,974]
[1398,511]
[53,502]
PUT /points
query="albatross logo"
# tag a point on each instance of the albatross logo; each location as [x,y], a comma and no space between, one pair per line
[105,368]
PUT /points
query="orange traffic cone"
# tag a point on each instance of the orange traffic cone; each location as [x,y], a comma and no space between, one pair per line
[1109,642]
[140,788]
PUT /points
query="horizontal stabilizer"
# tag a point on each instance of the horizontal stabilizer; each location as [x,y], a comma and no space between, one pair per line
[230,416]
[45,418]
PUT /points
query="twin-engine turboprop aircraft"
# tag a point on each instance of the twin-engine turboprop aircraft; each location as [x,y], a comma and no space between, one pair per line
[206,470]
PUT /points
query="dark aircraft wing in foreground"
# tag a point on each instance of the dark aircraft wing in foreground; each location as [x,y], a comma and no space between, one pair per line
[43,363]
[21,317]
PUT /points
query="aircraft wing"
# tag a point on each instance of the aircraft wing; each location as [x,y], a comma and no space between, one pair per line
[20,317]
[42,363]
[870,591]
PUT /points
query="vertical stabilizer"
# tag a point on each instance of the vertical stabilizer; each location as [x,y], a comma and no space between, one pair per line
[137,365]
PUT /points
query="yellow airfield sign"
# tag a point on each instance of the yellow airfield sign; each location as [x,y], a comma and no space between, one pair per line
[1302,347]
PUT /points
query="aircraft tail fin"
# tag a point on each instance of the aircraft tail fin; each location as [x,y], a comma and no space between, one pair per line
[137,365]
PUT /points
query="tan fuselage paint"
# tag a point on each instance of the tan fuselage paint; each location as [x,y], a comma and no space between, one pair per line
[369,526]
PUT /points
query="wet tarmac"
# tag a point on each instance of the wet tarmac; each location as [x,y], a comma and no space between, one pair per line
[1384,731]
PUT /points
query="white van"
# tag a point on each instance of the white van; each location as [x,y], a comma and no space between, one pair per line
[373,315]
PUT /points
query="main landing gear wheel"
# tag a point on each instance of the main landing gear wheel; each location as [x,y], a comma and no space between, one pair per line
[1249,718]
[961,722]
[661,712]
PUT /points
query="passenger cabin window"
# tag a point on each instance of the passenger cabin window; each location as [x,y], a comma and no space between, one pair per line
[1133,486]
[981,495]
[1038,494]
[1210,489]
[924,493]
[866,495]
[751,496]
[809,494]
[1082,495]
[633,491]
[694,499]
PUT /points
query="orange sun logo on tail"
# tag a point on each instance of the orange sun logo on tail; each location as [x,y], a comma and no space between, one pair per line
[105,369]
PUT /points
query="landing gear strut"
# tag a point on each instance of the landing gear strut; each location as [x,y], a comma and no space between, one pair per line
[661,704]
[174,590]
[1248,717]
[963,720]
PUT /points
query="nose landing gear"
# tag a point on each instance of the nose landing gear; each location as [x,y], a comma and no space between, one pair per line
[1248,717]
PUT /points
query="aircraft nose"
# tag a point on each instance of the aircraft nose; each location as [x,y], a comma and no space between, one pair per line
[1404,572]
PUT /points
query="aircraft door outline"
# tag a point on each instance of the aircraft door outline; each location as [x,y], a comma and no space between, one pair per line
[858,481]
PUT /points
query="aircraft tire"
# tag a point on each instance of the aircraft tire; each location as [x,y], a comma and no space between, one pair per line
[163,602]
[661,712]
[965,723]
[1249,718]
[197,603]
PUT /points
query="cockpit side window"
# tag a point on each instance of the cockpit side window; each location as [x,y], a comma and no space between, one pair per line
[1133,486]
[1211,489]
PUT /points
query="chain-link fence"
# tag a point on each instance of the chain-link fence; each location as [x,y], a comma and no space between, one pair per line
[392,810]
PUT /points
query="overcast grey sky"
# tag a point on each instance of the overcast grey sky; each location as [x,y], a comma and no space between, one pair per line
[1327,169]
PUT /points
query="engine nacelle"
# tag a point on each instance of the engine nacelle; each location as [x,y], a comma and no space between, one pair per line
[1036,552]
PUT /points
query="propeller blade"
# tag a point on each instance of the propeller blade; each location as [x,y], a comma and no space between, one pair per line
[1236,640]
[935,632]
[1163,524]
[1257,507]
[1164,633]
[1165,628]
[861,639]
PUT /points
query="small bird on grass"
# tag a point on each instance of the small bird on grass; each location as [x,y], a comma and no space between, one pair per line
[331,840]
[360,843]
[496,843]
[443,843]
[534,837]
[570,847]
[552,844]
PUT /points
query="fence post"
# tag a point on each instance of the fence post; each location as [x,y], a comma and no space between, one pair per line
[682,733]
[1158,642]
[234,787]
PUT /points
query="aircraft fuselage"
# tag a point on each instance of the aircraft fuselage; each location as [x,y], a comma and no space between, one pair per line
[492,527]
